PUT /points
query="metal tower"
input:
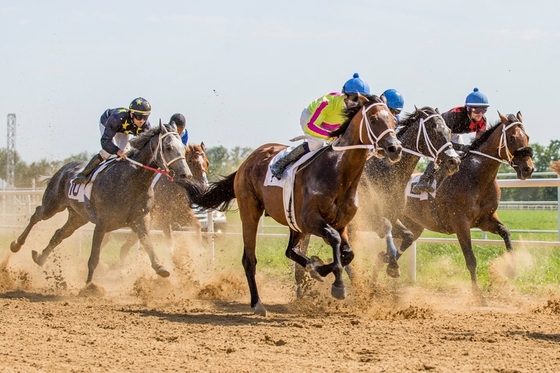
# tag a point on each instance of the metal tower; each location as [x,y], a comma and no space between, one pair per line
[11,151]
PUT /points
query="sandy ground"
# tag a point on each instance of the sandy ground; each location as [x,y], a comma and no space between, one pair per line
[200,321]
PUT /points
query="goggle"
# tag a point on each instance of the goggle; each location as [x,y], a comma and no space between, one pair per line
[139,116]
[395,111]
[479,110]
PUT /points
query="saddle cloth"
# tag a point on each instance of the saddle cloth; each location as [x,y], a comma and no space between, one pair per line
[287,183]
[414,179]
[82,192]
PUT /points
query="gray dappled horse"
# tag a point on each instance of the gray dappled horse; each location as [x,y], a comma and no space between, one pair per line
[120,197]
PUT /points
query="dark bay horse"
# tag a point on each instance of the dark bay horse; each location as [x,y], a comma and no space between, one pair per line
[324,193]
[120,196]
[171,201]
[469,198]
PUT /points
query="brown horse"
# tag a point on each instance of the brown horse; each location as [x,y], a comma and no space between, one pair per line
[469,198]
[324,193]
[172,203]
[555,166]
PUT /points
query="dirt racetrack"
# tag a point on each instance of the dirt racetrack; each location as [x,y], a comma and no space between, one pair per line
[199,321]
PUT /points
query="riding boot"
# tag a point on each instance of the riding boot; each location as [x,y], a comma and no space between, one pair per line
[461,148]
[280,166]
[82,177]
[426,179]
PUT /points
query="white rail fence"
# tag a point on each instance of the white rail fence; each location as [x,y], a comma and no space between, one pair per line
[17,205]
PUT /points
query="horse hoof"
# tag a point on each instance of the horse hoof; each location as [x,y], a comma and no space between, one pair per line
[15,247]
[338,292]
[162,271]
[393,272]
[259,309]
[37,258]
[383,257]
[316,276]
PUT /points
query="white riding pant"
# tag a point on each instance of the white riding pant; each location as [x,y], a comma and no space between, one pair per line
[312,142]
[457,138]
[120,140]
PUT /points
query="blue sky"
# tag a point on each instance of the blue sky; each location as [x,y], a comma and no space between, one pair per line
[242,71]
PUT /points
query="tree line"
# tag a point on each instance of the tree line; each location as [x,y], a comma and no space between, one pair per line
[224,161]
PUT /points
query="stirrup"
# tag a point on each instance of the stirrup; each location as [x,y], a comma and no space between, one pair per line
[421,187]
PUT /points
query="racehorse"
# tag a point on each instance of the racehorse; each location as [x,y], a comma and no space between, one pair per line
[469,198]
[324,192]
[120,196]
[555,166]
[171,201]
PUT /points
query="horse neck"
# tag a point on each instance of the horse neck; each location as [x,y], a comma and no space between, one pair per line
[146,154]
[487,168]
[352,161]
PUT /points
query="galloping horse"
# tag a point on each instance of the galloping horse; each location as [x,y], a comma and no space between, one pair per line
[171,201]
[470,197]
[324,193]
[555,166]
[422,133]
[120,196]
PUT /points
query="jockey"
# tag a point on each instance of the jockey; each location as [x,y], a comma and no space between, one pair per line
[394,101]
[320,118]
[116,125]
[463,119]
[180,122]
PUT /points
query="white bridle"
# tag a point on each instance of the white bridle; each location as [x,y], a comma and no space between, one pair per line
[503,145]
[422,131]
[373,139]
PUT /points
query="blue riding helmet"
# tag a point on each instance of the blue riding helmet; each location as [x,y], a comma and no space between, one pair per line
[476,99]
[356,85]
[394,99]
[141,106]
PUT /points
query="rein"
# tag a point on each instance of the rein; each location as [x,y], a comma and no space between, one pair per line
[373,139]
[503,145]
[434,153]
[159,149]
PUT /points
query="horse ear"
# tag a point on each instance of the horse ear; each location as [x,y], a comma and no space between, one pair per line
[519,116]
[203,146]
[384,99]
[502,117]
[363,99]
[437,111]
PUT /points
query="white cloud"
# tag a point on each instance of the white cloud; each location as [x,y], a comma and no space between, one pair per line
[8,10]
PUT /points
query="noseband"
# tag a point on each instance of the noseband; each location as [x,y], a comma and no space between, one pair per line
[159,150]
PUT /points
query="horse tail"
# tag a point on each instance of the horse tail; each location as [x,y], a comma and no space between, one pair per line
[555,166]
[219,195]
[44,179]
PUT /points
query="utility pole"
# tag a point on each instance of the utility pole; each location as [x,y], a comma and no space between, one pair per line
[11,152]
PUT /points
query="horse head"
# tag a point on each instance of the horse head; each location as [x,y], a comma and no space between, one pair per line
[161,147]
[198,162]
[370,125]
[427,130]
[515,145]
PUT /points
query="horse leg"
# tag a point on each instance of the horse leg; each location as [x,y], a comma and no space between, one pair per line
[74,222]
[41,213]
[494,225]
[334,238]
[405,235]
[301,275]
[146,242]
[168,235]
[464,238]
[131,239]
[97,240]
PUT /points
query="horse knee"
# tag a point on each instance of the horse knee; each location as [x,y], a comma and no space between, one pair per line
[346,257]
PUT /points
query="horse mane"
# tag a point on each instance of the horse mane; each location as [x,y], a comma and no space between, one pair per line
[349,113]
[410,118]
[141,140]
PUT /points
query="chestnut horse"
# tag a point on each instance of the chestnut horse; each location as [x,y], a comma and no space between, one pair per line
[172,203]
[324,193]
[469,198]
